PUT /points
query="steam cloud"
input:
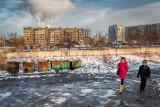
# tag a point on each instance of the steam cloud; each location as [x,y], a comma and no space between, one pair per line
[44,10]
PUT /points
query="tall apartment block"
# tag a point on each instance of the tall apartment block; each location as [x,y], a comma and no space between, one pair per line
[51,36]
[116,33]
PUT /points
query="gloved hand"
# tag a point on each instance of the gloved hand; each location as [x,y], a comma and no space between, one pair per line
[137,76]
[146,77]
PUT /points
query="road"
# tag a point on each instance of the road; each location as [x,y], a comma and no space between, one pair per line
[78,90]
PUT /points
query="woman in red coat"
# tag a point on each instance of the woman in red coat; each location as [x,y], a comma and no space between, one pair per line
[122,70]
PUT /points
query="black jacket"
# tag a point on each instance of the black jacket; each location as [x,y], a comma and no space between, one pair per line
[144,72]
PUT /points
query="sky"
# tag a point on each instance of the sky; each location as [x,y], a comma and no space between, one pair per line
[97,15]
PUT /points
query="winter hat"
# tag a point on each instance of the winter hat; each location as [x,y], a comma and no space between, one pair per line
[144,61]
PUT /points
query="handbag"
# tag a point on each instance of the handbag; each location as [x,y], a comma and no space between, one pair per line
[117,72]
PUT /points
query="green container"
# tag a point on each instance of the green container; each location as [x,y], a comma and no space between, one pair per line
[65,65]
[56,65]
[76,64]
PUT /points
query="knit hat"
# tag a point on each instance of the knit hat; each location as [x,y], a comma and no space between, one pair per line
[144,61]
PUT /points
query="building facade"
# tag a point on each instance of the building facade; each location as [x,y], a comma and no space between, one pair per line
[116,33]
[2,42]
[120,33]
[131,30]
[51,36]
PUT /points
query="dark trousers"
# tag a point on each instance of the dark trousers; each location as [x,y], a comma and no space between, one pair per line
[122,81]
[143,84]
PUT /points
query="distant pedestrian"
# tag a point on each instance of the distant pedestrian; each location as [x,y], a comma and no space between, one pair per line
[122,70]
[144,72]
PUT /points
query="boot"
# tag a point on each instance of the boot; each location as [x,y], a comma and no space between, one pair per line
[121,89]
[123,85]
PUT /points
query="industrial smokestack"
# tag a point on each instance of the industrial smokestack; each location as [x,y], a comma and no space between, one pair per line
[55,20]
[44,10]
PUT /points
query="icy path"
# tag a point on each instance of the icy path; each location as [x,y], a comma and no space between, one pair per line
[77,90]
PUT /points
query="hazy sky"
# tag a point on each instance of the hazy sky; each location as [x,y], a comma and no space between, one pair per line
[94,14]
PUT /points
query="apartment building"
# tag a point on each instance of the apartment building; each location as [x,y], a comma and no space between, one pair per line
[116,33]
[131,30]
[51,36]
[120,33]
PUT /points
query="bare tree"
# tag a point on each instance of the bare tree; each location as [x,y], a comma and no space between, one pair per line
[15,41]
[153,38]
[2,41]
[88,32]
[101,40]
[101,44]
[99,34]
[148,38]
[135,38]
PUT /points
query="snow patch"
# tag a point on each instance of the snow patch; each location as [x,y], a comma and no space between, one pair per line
[96,84]
[47,105]
[118,79]
[38,94]
[60,100]
[66,94]
[87,90]
[136,81]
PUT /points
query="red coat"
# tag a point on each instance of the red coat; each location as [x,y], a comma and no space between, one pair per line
[123,69]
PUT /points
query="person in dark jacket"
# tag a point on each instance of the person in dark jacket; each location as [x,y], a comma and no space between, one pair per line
[144,72]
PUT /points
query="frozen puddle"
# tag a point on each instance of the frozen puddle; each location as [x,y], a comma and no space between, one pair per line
[87,90]
[105,97]
[103,102]
[109,93]
[5,95]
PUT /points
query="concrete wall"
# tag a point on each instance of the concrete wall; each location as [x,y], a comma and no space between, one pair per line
[57,53]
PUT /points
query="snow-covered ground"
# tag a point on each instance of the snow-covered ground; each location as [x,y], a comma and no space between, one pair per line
[93,64]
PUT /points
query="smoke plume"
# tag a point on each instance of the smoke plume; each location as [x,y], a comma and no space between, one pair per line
[44,10]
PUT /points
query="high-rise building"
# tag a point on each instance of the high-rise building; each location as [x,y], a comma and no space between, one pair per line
[117,33]
[51,36]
